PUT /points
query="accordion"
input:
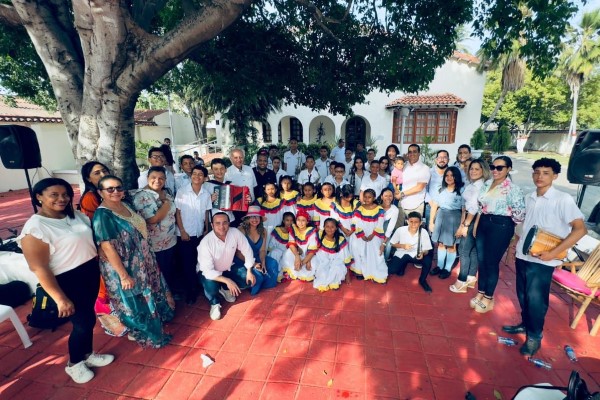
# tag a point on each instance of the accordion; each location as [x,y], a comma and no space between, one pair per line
[231,198]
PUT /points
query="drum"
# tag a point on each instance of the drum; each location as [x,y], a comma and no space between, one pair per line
[538,240]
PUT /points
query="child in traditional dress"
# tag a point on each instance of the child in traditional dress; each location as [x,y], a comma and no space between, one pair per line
[367,246]
[332,259]
[272,206]
[307,201]
[342,209]
[279,238]
[302,245]
[323,203]
[288,194]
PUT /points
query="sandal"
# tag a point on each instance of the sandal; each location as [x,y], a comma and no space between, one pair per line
[471,281]
[476,300]
[482,308]
[459,287]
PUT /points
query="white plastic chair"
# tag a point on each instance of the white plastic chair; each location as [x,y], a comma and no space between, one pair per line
[7,312]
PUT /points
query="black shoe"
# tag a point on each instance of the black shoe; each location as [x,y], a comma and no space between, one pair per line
[514,329]
[531,347]
[435,271]
[359,277]
[425,286]
[401,272]
[444,274]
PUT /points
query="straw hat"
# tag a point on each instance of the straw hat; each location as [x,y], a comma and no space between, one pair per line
[255,211]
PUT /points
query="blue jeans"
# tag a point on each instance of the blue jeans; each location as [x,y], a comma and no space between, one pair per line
[467,252]
[237,273]
[493,237]
[533,292]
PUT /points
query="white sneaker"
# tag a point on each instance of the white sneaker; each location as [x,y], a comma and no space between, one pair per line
[79,372]
[417,266]
[99,360]
[227,295]
[215,312]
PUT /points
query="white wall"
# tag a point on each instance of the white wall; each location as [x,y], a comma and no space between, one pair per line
[56,155]
[454,77]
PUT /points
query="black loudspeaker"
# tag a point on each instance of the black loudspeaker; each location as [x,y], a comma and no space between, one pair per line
[584,164]
[19,148]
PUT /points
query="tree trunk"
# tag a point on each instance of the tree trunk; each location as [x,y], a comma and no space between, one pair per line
[204,116]
[196,120]
[496,109]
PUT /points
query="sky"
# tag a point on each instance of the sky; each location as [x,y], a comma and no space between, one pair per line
[473,44]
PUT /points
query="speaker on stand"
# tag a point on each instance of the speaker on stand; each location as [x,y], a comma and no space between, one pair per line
[19,149]
[584,163]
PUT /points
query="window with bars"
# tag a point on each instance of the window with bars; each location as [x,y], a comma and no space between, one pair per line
[440,124]
[295,129]
[266,132]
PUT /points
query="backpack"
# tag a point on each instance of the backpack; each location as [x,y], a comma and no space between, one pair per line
[44,311]
[14,293]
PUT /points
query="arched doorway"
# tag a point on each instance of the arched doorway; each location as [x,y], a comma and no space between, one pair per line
[288,128]
[355,132]
[321,130]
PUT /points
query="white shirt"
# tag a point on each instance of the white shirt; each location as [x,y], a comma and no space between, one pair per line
[170,184]
[552,212]
[181,180]
[403,236]
[293,162]
[414,174]
[348,165]
[391,215]
[279,174]
[243,177]
[192,209]
[216,256]
[331,179]
[377,185]
[338,154]
[323,168]
[312,176]
[70,241]
[470,196]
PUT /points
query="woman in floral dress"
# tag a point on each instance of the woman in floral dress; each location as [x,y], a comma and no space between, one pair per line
[137,289]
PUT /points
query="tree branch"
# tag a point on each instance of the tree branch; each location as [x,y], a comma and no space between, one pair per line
[9,16]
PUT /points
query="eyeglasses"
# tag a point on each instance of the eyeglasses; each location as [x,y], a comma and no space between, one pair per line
[158,157]
[497,167]
[112,189]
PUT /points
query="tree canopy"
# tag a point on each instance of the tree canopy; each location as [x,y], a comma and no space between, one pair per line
[95,58]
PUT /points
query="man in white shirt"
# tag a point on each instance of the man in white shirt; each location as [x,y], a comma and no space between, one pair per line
[241,175]
[310,174]
[348,163]
[293,160]
[337,179]
[412,245]
[373,181]
[338,153]
[555,212]
[186,164]
[192,203]
[156,158]
[216,271]
[370,158]
[322,164]
[279,172]
[415,178]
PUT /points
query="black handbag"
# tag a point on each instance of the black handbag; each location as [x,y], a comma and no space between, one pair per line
[44,311]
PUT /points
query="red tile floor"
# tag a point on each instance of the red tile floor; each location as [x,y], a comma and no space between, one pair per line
[363,341]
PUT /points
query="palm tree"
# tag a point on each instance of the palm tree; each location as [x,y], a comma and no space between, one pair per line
[513,74]
[581,53]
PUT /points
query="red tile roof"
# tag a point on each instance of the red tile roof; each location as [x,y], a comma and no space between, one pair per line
[469,58]
[26,112]
[445,99]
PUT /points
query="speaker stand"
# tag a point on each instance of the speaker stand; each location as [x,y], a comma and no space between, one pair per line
[30,191]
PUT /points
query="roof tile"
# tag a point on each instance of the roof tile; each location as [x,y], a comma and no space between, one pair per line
[446,99]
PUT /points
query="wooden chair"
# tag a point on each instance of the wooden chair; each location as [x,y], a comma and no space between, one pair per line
[583,284]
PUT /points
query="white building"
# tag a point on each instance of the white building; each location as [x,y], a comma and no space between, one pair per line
[449,111]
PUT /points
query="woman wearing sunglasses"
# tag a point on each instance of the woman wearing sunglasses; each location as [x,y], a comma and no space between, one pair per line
[502,205]
[137,289]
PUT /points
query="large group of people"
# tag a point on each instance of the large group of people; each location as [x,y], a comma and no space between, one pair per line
[129,255]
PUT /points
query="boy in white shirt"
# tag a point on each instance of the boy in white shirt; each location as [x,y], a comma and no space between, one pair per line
[310,174]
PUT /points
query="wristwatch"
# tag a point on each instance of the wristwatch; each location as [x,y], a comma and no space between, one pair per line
[402,195]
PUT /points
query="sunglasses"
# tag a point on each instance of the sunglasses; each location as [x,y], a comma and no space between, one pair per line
[112,189]
[497,167]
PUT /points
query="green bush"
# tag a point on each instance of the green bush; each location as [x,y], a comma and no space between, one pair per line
[478,139]
[501,140]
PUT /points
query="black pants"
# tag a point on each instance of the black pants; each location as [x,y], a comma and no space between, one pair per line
[81,286]
[165,260]
[188,253]
[493,237]
[398,265]
[533,292]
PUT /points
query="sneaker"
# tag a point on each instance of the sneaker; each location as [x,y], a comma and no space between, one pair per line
[417,266]
[215,312]
[99,360]
[79,372]
[444,274]
[227,295]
